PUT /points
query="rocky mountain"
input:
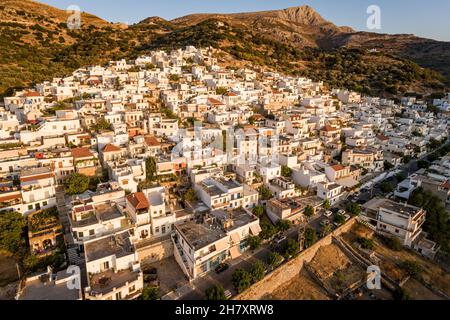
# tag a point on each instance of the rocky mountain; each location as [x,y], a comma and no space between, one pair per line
[37,45]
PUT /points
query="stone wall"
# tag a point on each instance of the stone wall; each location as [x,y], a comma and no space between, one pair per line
[156,252]
[291,269]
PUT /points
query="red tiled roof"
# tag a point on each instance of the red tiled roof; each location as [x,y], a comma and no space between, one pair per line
[214,101]
[329,128]
[36,177]
[382,137]
[338,167]
[30,94]
[81,153]
[138,200]
[152,141]
[446,185]
[230,94]
[7,197]
[111,148]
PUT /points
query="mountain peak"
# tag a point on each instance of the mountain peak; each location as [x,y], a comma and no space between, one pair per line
[303,15]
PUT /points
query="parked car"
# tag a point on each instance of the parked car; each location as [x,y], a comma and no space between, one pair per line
[347,217]
[279,239]
[325,222]
[328,214]
[222,268]
[341,212]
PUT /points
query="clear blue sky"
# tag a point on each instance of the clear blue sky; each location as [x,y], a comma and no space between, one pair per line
[430,18]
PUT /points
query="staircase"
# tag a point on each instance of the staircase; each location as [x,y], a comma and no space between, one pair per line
[74,257]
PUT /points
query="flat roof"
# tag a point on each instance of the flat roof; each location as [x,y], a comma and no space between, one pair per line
[107,212]
[200,235]
[377,203]
[239,217]
[44,289]
[118,245]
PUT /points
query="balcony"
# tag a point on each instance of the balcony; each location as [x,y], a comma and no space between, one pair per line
[110,280]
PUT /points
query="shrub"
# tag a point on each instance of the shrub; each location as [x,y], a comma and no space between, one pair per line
[241,280]
[412,268]
[215,293]
[150,293]
[274,259]
[77,184]
[366,243]
[254,242]
[257,272]
[290,248]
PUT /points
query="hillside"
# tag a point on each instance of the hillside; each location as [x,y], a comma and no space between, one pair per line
[37,46]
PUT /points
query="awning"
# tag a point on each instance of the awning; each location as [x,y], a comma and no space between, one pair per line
[235,238]
[221,246]
[255,229]
[234,252]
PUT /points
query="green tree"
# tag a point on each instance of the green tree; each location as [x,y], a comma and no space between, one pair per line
[174,78]
[423,164]
[221,91]
[366,243]
[309,211]
[258,211]
[283,225]
[265,193]
[386,187]
[326,205]
[150,169]
[101,125]
[254,242]
[76,184]
[190,195]
[257,272]
[388,166]
[310,237]
[354,209]
[327,229]
[11,229]
[241,280]
[286,171]
[290,248]
[267,230]
[412,268]
[274,259]
[339,219]
[215,293]
[150,293]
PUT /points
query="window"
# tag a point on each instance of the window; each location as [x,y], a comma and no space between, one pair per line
[44,203]
[163,229]
[106,265]
[30,207]
[119,296]
[397,231]
[157,230]
[132,289]
[91,232]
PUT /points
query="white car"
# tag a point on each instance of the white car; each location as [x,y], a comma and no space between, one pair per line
[328,214]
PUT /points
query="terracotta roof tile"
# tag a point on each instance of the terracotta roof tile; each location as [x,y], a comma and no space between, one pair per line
[138,200]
